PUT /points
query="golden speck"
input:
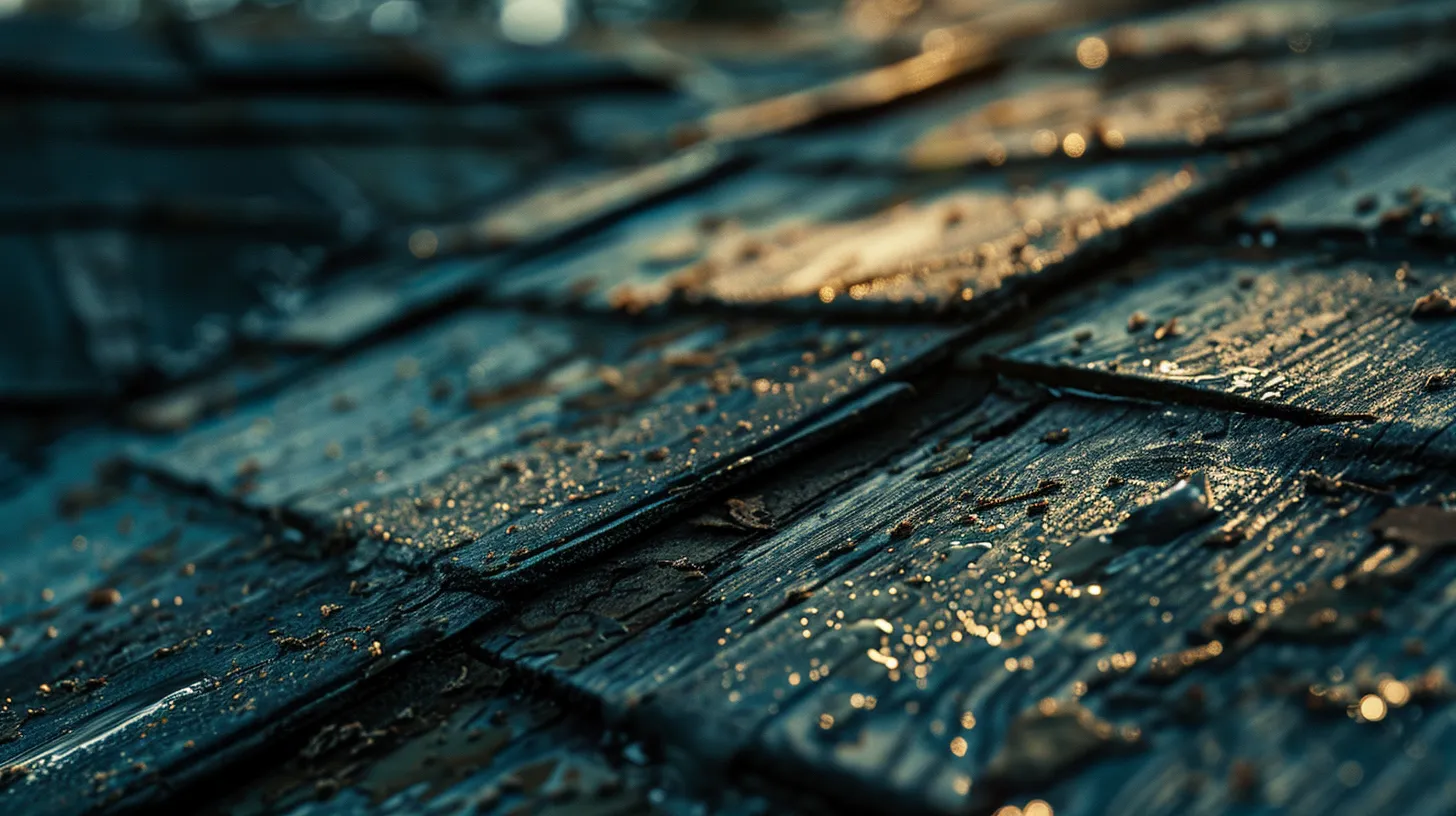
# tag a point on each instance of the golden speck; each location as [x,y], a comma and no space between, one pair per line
[826,721]
[1074,145]
[1114,139]
[1372,708]
[1094,589]
[1037,807]
[1092,52]
[1395,692]
[958,746]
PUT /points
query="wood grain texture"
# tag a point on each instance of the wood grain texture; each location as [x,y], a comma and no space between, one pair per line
[916,408]
[1340,340]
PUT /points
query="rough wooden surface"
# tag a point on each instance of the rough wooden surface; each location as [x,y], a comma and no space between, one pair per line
[1044,406]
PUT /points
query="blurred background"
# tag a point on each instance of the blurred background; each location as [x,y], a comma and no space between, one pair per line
[202,191]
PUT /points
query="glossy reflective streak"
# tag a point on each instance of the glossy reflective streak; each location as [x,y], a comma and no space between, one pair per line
[944,252]
[946,55]
[111,722]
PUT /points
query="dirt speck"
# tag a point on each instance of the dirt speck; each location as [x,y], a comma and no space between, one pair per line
[750,513]
[1057,436]
[1433,305]
[102,598]
[1225,539]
